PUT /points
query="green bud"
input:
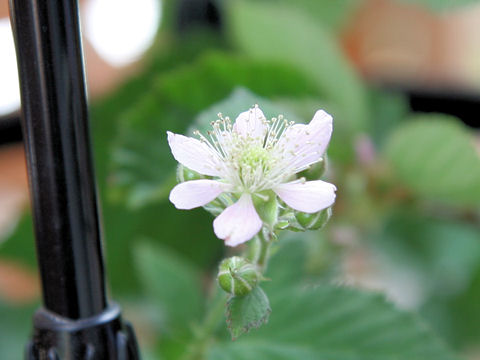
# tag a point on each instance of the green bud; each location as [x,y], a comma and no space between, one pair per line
[266,205]
[185,174]
[313,221]
[315,171]
[237,276]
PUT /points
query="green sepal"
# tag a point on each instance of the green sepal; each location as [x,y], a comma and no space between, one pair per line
[186,174]
[313,221]
[216,206]
[282,224]
[266,205]
[315,171]
[287,221]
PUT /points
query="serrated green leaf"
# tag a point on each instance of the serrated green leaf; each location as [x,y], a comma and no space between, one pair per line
[246,312]
[435,156]
[334,323]
[173,284]
[285,34]
[328,322]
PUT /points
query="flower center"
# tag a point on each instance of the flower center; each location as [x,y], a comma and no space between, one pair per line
[253,163]
[248,163]
[253,157]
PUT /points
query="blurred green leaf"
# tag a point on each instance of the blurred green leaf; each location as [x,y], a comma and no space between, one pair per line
[15,329]
[216,74]
[435,156]
[20,244]
[331,14]
[443,254]
[144,170]
[464,313]
[143,167]
[281,33]
[456,317]
[291,250]
[334,323]
[442,5]
[388,110]
[439,259]
[247,312]
[173,284]
[241,99]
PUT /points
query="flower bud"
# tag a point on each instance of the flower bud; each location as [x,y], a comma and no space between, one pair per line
[185,174]
[237,276]
[313,221]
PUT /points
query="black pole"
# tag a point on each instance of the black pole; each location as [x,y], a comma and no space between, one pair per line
[76,322]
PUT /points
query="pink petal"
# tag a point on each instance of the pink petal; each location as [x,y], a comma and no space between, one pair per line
[303,145]
[238,222]
[251,123]
[193,154]
[309,197]
[195,193]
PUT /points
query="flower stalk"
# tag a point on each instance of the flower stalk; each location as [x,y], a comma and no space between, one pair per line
[265,241]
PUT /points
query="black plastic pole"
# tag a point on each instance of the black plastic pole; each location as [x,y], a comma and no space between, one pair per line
[76,321]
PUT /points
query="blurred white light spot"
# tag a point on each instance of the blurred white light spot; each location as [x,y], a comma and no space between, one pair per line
[121,30]
[9,86]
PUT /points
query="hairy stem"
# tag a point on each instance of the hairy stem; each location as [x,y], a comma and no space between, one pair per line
[264,250]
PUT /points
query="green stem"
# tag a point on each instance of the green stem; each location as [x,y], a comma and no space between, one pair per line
[203,334]
[264,250]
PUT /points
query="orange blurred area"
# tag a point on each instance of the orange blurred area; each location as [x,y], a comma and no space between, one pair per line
[398,43]
[3,8]
[17,284]
[13,185]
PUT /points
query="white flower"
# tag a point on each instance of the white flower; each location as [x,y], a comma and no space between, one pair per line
[248,157]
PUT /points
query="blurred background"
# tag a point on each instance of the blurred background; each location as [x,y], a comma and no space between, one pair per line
[402,80]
